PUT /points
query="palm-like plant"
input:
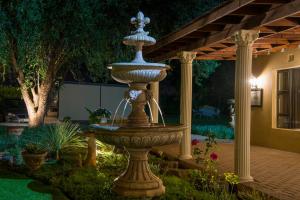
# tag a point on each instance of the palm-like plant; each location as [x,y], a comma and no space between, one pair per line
[64,136]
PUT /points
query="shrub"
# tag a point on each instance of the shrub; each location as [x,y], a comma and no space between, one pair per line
[32,139]
[63,137]
[219,131]
[88,184]
[8,92]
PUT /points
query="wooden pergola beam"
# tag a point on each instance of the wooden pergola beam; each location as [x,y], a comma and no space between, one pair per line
[199,23]
[263,19]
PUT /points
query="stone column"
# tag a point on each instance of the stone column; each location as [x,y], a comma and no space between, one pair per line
[244,40]
[155,92]
[186,59]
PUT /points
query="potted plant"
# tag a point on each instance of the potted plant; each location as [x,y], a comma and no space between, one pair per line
[34,156]
[100,115]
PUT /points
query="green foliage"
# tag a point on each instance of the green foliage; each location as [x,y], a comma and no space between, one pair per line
[9,92]
[219,131]
[96,183]
[33,148]
[96,115]
[63,137]
[203,69]
[177,188]
[88,184]
[7,140]
[54,138]
[52,173]
[231,178]
[111,161]
[44,32]
[32,140]
[3,130]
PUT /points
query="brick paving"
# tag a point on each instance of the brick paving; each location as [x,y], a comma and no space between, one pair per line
[275,172]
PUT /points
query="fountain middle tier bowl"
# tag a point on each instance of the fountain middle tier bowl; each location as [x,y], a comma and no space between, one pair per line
[138,138]
[138,72]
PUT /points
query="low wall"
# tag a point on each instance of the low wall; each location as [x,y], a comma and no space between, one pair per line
[74,98]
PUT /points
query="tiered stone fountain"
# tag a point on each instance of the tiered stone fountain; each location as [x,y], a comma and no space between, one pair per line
[138,134]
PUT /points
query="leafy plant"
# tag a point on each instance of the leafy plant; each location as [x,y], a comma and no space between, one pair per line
[210,144]
[34,136]
[95,116]
[219,131]
[63,137]
[32,148]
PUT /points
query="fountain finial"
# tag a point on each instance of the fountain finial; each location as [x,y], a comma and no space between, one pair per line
[139,37]
[140,22]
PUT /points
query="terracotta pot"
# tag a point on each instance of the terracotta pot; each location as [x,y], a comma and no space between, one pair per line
[34,161]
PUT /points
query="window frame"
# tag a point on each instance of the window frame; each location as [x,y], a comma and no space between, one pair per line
[291,92]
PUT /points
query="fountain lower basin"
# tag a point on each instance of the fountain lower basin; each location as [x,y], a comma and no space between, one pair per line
[138,180]
[140,137]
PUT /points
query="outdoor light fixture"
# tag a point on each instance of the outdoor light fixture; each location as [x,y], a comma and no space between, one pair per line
[256,91]
[254,82]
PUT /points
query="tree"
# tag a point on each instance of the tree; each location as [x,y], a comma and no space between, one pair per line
[39,38]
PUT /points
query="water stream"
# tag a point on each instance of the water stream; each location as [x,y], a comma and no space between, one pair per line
[124,109]
[116,112]
[150,110]
[160,112]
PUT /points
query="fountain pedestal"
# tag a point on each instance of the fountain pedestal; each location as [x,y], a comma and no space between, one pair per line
[138,180]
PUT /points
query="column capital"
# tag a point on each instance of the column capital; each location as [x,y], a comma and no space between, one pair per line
[186,56]
[245,37]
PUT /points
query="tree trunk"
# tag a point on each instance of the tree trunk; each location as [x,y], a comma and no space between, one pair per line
[37,111]
[36,120]
[36,99]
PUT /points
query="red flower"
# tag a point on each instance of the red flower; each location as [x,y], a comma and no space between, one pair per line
[195,142]
[213,156]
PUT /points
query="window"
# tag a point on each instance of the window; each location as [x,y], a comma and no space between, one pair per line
[288,98]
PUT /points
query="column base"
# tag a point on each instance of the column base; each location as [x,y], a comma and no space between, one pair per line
[138,181]
[185,157]
[246,179]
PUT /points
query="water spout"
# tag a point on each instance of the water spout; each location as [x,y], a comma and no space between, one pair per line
[161,115]
[116,112]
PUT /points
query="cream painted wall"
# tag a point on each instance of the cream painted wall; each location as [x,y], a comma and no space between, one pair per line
[263,119]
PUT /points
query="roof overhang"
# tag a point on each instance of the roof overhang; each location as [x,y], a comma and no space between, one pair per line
[210,35]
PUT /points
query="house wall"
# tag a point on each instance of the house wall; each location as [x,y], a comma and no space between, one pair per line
[263,119]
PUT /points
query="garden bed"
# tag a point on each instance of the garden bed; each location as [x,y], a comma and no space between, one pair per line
[96,183]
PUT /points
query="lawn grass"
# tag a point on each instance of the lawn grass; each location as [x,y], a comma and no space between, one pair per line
[15,186]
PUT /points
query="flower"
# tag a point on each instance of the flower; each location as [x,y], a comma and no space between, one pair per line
[213,156]
[195,142]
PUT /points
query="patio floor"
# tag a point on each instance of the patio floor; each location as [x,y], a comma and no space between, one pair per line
[275,172]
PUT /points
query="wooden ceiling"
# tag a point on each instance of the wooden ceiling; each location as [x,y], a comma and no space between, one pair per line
[210,35]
